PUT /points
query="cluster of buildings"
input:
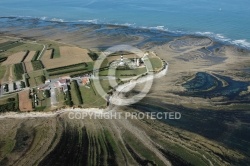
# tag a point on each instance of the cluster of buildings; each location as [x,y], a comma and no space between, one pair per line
[63,83]
[11,87]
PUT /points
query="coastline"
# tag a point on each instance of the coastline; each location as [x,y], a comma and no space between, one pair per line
[211,125]
[75,24]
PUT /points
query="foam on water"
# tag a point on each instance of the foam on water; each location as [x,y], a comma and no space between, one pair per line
[218,37]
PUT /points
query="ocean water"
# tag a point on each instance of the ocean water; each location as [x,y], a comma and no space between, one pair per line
[226,20]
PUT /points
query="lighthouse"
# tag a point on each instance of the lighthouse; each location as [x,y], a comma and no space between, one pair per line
[121,61]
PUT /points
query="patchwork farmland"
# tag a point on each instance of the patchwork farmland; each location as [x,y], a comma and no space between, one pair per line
[15,58]
[77,55]
[29,67]
[30,56]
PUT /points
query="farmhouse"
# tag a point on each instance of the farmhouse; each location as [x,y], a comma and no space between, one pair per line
[62,84]
[85,80]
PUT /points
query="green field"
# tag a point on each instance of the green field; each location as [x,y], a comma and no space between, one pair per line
[105,84]
[22,47]
[37,65]
[35,78]
[9,103]
[75,93]
[156,63]
[91,98]
[70,69]
[43,102]
[9,45]
[124,73]
[18,71]
[73,71]
[5,44]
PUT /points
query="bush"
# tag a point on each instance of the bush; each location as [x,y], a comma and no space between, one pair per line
[27,82]
[69,103]
[43,79]
[52,53]
[93,55]
[68,99]
[74,87]
[8,107]
[47,93]
[26,54]
[40,108]
[3,59]
[84,65]
[22,84]
[11,99]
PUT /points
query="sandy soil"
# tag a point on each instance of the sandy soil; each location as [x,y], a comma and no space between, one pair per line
[30,56]
[29,67]
[14,58]
[25,103]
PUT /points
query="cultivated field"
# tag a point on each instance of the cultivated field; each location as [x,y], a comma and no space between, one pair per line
[25,103]
[47,55]
[68,56]
[29,67]
[14,58]
[30,56]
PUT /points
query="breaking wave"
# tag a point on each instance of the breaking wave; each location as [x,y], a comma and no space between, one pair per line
[218,37]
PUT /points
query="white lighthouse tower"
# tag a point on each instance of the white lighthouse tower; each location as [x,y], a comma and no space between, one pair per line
[121,61]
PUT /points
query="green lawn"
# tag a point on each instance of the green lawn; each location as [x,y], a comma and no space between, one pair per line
[91,98]
[75,93]
[43,102]
[125,73]
[105,84]
[156,63]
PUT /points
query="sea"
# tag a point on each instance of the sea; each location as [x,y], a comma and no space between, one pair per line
[224,20]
